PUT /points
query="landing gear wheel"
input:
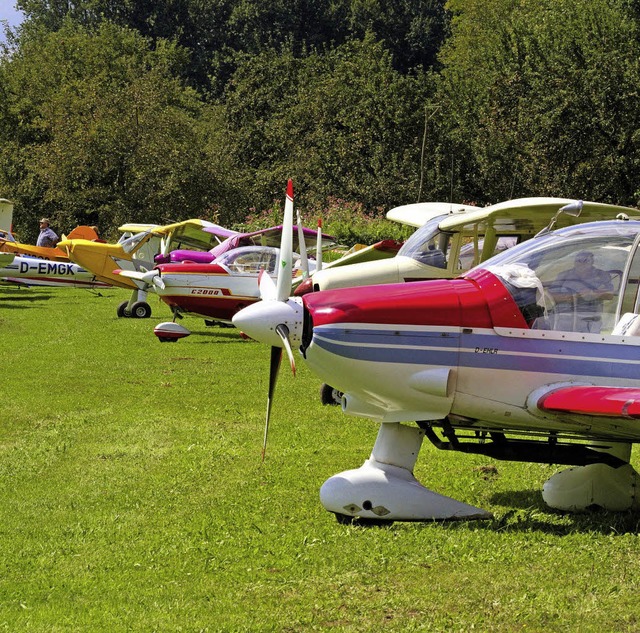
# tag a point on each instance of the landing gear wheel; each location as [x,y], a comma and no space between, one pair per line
[122,311]
[140,310]
[329,395]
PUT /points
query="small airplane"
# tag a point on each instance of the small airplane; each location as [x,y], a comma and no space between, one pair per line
[527,357]
[235,239]
[135,251]
[8,244]
[216,284]
[34,271]
[30,265]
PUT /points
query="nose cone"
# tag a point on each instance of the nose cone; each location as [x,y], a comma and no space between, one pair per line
[259,321]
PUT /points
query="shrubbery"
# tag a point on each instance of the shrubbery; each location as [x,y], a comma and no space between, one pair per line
[348,222]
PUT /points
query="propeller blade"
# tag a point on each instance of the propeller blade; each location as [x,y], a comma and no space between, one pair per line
[274,368]
[266,287]
[283,332]
[302,247]
[319,246]
[158,281]
[283,288]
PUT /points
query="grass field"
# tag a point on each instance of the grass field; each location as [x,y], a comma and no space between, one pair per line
[133,498]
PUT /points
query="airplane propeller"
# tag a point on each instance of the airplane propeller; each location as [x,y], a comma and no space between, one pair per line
[277,319]
[147,277]
[319,246]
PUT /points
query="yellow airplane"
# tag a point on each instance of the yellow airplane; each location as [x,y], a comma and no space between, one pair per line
[136,251]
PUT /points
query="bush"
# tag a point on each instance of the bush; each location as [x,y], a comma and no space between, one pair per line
[347,221]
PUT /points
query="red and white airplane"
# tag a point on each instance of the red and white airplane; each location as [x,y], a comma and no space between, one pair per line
[527,357]
[218,283]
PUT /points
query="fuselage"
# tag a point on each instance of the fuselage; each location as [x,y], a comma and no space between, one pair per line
[34,271]
[207,290]
[459,349]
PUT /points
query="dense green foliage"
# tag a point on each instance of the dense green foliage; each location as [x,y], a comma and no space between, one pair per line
[131,110]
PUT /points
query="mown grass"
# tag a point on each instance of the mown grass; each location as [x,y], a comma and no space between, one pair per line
[133,498]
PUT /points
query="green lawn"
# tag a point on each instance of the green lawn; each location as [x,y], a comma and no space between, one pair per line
[133,498]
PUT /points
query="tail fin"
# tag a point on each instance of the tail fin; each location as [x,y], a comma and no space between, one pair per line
[82,232]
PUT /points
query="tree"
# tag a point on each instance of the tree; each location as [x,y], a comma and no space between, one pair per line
[215,31]
[97,129]
[539,98]
[344,124]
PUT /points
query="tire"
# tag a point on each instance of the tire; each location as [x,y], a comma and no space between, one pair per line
[140,310]
[122,311]
[329,395]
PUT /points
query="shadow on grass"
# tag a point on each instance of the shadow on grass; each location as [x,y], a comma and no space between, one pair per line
[21,299]
[232,336]
[530,513]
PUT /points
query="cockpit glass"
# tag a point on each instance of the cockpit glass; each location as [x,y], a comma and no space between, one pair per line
[428,245]
[131,243]
[569,280]
[252,259]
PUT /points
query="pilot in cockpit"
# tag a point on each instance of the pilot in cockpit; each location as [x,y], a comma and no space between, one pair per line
[579,293]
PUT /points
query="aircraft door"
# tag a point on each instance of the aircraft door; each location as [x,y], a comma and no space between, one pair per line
[630,284]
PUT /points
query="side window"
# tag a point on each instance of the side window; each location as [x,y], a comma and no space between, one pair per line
[470,255]
[148,250]
[574,287]
[630,298]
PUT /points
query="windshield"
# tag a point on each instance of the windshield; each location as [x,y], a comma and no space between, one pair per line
[428,244]
[131,243]
[192,237]
[570,279]
[252,259]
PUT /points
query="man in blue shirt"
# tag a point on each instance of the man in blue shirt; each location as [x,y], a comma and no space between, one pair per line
[47,236]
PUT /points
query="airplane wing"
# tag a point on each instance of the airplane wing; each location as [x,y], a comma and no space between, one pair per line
[615,402]
[420,213]
[43,252]
[538,210]
[220,231]
[379,250]
[272,236]
[134,227]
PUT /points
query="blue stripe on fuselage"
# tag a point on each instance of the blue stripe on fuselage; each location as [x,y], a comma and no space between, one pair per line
[482,350]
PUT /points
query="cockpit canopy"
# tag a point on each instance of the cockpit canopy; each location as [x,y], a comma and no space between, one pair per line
[578,279]
[252,259]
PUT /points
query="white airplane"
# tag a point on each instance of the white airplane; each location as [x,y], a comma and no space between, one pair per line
[527,357]
[34,271]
